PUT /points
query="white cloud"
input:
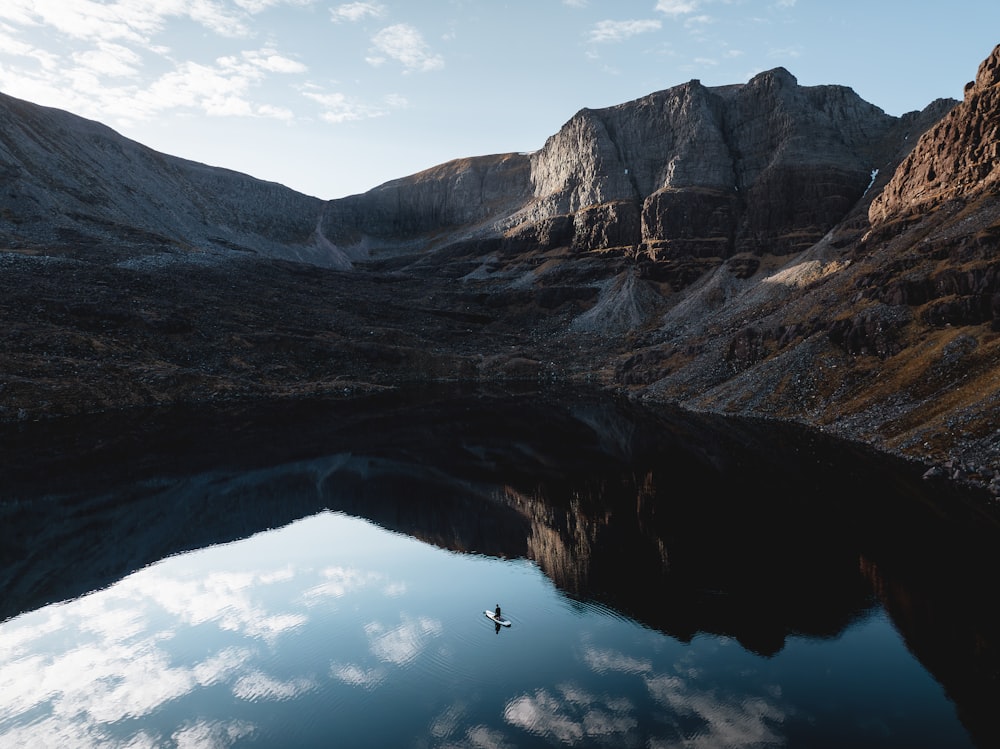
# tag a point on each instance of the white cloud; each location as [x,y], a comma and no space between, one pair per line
[97,70]
[222,89]
[785,52]
[11,45]
[677,7]
[406,45]
[701,20]
[133,21]
[109,59]
[357,11]
[269,61]
[257,6]
[212,16]
[617,31]
[338,108]
[270,112]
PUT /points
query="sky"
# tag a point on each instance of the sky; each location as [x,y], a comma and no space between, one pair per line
[335,98]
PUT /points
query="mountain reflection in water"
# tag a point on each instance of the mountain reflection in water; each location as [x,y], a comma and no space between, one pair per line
[687,524]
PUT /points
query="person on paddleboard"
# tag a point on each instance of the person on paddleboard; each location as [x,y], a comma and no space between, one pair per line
[497,613]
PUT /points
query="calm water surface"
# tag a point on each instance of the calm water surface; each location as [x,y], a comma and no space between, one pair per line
[335,597]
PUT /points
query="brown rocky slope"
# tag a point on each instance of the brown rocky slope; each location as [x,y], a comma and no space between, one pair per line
[763,249]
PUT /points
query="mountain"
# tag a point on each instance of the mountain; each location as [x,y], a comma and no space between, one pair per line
[691,172]
[73,182]
[763,249]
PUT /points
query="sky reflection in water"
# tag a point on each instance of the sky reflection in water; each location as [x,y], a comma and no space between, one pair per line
[334,632]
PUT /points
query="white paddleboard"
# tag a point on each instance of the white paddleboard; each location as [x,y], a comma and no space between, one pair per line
[493,617]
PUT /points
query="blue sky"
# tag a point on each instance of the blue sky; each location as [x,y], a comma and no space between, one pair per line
[334,98]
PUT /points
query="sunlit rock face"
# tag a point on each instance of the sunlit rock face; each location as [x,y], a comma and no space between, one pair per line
[957,158]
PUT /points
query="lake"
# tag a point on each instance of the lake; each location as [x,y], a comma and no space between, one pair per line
[316,574]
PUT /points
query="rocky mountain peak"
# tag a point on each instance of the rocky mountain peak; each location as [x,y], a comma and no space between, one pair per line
[987,76]
[775,78]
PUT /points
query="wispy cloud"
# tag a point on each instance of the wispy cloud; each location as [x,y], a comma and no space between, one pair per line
[795,51]
[123,20]
[618,31]
[221,89]
[700,20]
[338,108]
[258,6]
[110,59]
[677,7]
[405,44]
[264,60]
[104,66]
[357,11]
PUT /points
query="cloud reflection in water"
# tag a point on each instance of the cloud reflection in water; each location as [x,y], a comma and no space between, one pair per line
[74,675]
[333,627]
[690,715]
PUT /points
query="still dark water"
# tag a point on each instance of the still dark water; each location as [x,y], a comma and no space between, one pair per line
[315,575]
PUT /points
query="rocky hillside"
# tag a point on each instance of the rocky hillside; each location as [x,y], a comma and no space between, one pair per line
[765,249]
[70,183]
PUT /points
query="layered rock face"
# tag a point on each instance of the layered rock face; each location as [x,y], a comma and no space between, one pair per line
[765,167]
[693,171]
[957,158]
[72,181]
